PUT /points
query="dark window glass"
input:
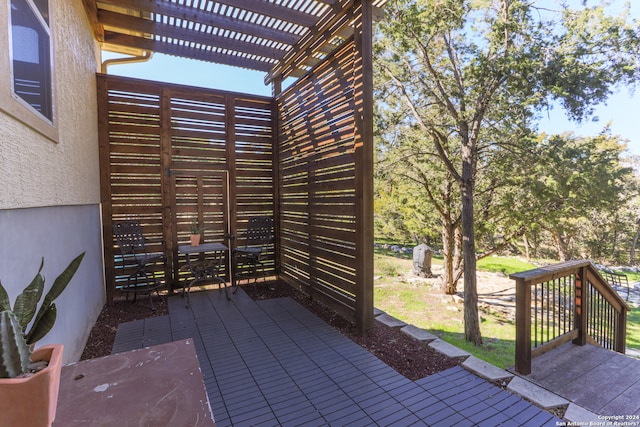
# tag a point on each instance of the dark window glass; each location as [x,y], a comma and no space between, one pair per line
[31,56]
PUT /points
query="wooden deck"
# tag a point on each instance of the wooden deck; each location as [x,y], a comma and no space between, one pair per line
[274,363]
[601,381]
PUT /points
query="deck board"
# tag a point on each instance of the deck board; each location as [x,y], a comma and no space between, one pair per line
[601,381]
[273,362]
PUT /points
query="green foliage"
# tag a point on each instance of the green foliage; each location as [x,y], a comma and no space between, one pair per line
[16,345]
[463,84]
[195,228]
[578,189]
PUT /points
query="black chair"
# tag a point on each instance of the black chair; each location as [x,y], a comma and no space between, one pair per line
[250,257]
[135,262]
[618,281]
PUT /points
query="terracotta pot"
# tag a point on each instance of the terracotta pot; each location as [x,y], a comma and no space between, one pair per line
[195,239]
[32,401]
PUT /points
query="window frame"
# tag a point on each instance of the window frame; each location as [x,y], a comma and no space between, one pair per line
[11,102]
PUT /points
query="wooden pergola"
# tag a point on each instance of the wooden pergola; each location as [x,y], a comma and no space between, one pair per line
[172,153]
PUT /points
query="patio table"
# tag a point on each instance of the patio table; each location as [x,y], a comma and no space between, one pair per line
[207,269]
[160,385]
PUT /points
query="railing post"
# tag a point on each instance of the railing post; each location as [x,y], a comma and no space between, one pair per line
[523,327]
[621,331]
[581,306]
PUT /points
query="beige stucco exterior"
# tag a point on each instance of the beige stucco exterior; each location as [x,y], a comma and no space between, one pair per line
[62,167]
[50,181]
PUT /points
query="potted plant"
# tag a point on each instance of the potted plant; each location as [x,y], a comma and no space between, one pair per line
[196,232]
[29,381]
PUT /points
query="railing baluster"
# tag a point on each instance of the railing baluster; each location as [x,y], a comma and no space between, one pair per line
[547,310]
[535,314]
[557,303]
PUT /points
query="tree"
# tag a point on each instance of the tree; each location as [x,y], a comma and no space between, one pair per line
[406,164]
[472,75]
[577,185]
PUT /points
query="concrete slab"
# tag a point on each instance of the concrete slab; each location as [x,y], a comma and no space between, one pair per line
[377,312]
[485,369]
[536,394]
[577,414]
[448,349]
[419,334]
[390,321]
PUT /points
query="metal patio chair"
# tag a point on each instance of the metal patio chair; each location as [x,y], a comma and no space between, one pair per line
[618,281]
[135,262]
[250,257]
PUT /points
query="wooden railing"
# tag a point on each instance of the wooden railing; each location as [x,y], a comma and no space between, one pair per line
[563,302]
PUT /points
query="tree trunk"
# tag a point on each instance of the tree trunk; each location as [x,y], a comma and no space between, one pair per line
[449,284]
[471,320]
[632,255]
[561,245]
[457,256]
[525,242]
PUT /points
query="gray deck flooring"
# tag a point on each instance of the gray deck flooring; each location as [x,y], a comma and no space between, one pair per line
[274,363]
[601,381]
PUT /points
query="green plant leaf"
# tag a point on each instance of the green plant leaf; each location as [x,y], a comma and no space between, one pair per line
[59,285]
[27,302]
[43,325]
[14,351]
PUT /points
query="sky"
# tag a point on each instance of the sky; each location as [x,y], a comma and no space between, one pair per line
[621,111]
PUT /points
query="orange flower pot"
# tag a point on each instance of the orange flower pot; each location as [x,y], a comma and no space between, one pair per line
[32,401]
[195,239]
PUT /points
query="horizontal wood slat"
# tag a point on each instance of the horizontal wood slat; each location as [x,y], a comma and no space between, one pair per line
[166,149]
[317,182]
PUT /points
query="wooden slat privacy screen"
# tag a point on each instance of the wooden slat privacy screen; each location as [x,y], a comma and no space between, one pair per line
[171,153]
[317,176]
[325,231]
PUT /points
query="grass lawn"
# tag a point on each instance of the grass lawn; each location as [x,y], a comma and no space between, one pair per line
[633,318]
[424,305]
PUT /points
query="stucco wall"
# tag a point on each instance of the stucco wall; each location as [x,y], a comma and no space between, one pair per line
[49,186]
[37,171]
[56,234]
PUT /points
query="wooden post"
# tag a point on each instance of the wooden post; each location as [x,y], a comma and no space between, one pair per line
[105,186]
[523,327]
[275,167]
[167,189]
[621,330]
[581,306]
[230,143]
[364,171]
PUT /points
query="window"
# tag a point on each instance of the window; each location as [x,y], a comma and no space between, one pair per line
[31,55]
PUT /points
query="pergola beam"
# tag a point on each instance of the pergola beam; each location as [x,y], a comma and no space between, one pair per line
[180,11]
[185,51]
[145,26]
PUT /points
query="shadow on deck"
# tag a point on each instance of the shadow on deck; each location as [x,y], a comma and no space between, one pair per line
[273,362]
[599,380]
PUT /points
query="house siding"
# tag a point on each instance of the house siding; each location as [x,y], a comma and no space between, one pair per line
[49,186]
